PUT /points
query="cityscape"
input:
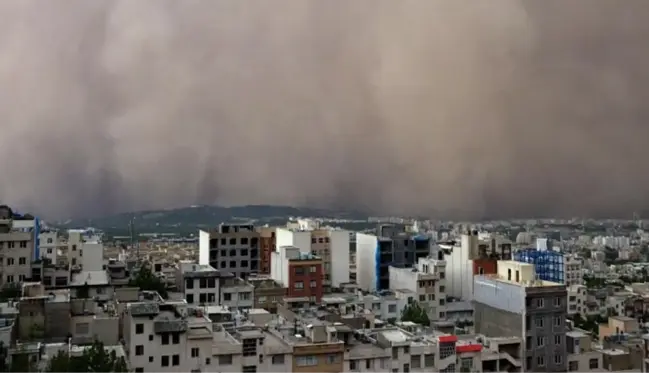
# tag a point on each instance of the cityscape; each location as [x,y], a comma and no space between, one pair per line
[308,295]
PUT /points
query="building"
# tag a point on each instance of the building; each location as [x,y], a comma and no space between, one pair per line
[573,271]
[328,244]
[18,245]
[167,337]
[267,243]
[427,281]
[231,247]
[301,273]
[199,283]
[548,265]
[237,294]
[85,249]
[514,302]
[268,293]
[577,298]
[472,257]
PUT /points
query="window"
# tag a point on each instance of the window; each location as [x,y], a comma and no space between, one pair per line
[244,240]
[21,278]
[540,361]
[277,359]
[429,360]
[227,297]
[333,359]
[558,359]
[49,240]
[557,321]
[415,361]
[245,295]
[175,360]
[139,328]
[538,322]
[164,361]
[74,247]
[395,353]
[175,338]
[49,251]
[137,370]
[392,308]
[23,244]
[573,366]
[480,271]
[208,361]
[352,365]
[442,289]
[540,341]
[139,350]
[150,337]
[593,364]
[422,297]
[557,302]
[540,303]
[299,285]
[557,339]
[313,283]
[233,241]
[10,261]
[10,278]
[299,271]
[306,361]
[165,339]
[233,263]
[22,260]
[312,269]
[189,283]
[225,360]
[190,298]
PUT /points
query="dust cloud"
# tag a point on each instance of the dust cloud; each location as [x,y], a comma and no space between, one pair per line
[455,108]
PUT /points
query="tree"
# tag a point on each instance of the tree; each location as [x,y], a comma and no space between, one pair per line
[146,280]
[10,291]
[93,359]
[415,313]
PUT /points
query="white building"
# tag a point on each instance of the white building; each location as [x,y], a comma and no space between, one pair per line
[167,337]
[573,271]
[237,294]
[85,249]
[427,281]
[577,297]
[17,245]
[332,245]
[198,282]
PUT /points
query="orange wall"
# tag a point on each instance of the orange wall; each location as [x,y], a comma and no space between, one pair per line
[489,266]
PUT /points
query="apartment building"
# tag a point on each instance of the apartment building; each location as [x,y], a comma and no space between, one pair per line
[18,243]
[428,281]
[577,297]
[324,243]
[376,254]
[85,249]
[268,293]
[199,283]
[573,271]
[581,355]
[237,294]
[301,273]
[167,337]
[267,244]
[473,256]
[231,247]
[514,303]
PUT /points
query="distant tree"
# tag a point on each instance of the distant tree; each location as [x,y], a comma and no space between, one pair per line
[146,280]
[10,291]
[415,313]
[93,359]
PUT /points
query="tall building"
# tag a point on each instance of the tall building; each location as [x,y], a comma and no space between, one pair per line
[393,247]
[332,245]
[301,274]
[513,302]
[18,246]
[472,257]
[427,281]
[231,247]
[200,284]
[267,244]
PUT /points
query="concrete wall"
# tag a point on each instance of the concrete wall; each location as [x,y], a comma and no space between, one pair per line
[494,322]
[366,261]
[340,257]
[499,294]
[203,247]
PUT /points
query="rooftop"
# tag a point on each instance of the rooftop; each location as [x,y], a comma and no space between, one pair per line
[91,278]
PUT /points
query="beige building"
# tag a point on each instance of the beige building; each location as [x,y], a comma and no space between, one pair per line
[16,248]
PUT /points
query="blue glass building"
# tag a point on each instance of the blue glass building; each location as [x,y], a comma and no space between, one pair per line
[547,264]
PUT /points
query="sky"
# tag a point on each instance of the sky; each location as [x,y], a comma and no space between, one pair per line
[473,109]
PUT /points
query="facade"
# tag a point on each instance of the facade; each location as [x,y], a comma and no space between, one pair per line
[18,246]
[324,243]
[267,243]
[231,247]
[427,281]
[268,293]
[376,254]
[167,337]
[548,265]
[200,284]
[300,273]
[573,271]
[472,257]
[237,294]
[514,303]
[577,298]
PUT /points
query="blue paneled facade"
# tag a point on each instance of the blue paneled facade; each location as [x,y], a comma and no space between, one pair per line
[547,264]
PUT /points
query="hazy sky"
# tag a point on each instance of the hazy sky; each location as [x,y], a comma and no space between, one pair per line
[474,108]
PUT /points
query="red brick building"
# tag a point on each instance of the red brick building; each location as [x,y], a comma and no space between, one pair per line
[302,274]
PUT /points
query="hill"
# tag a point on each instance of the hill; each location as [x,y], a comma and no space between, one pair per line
[187,220]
